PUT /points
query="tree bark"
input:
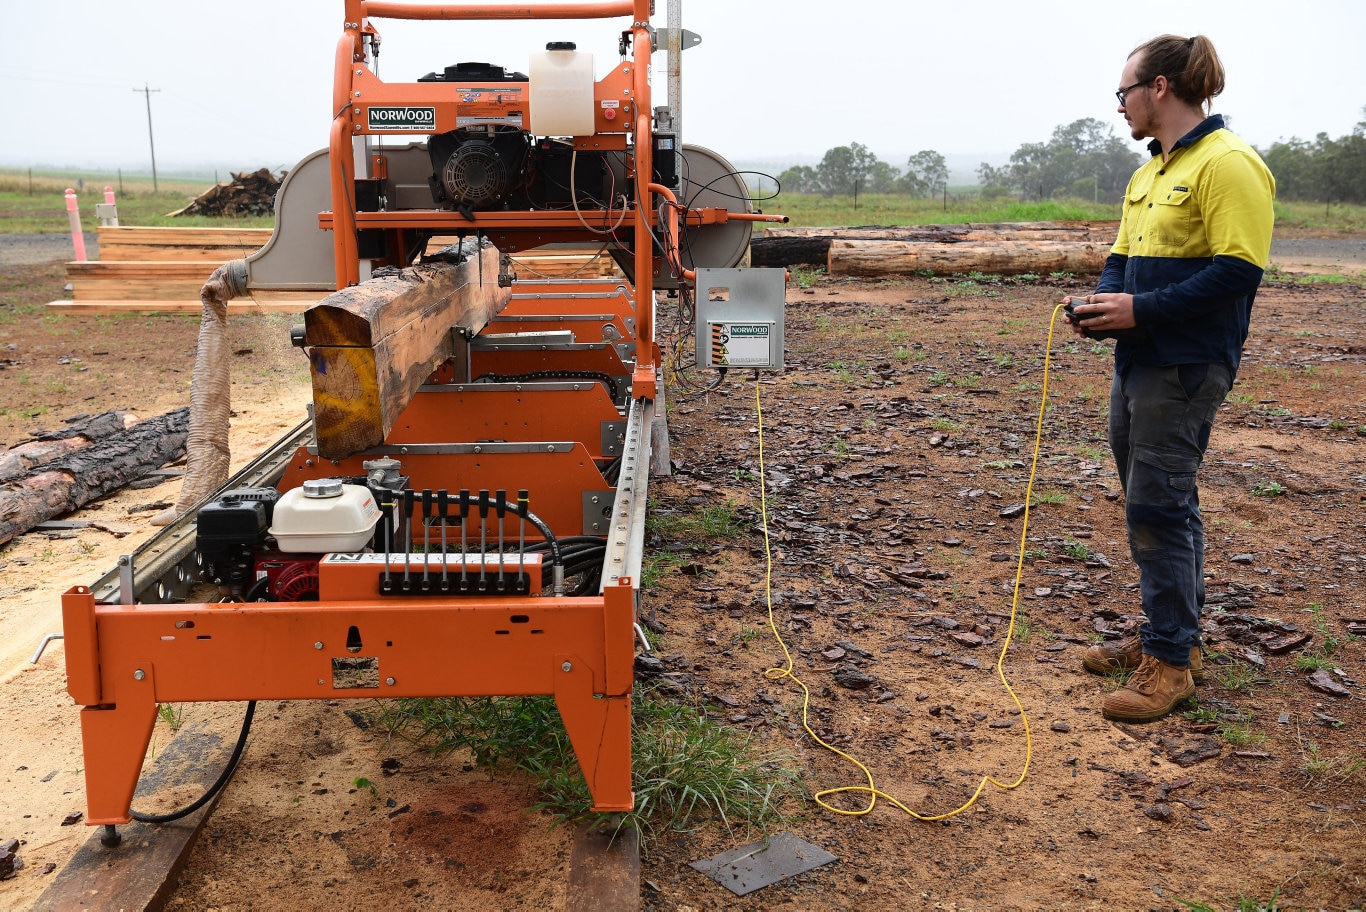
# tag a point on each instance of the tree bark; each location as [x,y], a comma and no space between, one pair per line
[51,445]
[981,247]
[72,481]
[788,251]
[885,258]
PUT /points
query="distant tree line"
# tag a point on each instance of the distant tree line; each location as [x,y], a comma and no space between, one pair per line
[1325,170]
[1082,159]
[853,169]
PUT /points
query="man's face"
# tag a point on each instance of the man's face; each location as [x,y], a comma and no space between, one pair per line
[1137,107]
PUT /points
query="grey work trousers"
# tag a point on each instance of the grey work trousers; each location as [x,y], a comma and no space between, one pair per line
[1160,420]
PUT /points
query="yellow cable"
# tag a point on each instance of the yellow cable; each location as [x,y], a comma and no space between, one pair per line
[777,674]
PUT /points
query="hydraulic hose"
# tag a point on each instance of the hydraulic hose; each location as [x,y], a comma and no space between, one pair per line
[214,789]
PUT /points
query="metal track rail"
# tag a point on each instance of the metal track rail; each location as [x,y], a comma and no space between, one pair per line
[164,568]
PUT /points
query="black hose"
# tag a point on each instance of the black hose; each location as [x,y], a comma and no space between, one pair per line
[524,511]
[214,789]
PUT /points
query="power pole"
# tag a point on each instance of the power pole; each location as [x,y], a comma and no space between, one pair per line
[147,94]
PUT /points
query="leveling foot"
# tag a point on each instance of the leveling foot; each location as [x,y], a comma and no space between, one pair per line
[111,837]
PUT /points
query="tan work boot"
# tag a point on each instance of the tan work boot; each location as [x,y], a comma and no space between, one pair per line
[1106,658]
[1154,689]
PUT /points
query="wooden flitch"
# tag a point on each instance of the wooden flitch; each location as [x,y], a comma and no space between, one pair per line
[372,345]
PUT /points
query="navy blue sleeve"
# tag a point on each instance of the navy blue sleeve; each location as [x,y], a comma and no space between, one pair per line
[1226,279]
[1112,276]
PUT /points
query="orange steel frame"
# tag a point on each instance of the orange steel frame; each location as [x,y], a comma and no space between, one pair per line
[125,659]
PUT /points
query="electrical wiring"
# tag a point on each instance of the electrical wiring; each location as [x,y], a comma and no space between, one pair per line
[611,194]
[786,672]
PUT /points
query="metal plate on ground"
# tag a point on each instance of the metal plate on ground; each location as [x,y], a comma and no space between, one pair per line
[759,864]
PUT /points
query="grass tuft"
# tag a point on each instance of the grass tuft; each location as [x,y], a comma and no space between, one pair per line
[687,768]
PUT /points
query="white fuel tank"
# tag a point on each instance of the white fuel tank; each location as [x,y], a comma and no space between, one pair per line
[324,515]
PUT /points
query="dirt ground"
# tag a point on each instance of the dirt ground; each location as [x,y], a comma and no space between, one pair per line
[897,448]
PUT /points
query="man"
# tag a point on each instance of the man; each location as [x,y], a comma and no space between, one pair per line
[1176,293]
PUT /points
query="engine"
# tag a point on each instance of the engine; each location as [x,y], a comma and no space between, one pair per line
[478,168]
[371,536]
[493,163]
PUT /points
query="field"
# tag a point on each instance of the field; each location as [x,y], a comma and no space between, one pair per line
[872,494]
[36,203]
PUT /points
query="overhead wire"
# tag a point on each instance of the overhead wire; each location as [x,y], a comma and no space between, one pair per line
[786,672]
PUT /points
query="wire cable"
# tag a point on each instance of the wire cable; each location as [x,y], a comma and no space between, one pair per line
[778,674]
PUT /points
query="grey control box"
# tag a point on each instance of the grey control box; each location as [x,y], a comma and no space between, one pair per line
[740,318]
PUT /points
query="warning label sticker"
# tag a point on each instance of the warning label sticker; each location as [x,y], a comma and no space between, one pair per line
[741,344]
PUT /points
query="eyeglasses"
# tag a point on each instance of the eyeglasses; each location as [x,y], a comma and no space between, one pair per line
[1127,89]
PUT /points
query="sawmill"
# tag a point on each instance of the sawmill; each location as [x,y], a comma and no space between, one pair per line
[462,511]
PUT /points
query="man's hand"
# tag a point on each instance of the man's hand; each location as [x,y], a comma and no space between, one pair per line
[1101,312]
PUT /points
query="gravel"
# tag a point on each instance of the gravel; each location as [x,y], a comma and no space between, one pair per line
[33,249]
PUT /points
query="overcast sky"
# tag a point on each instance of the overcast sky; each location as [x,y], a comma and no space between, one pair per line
[247,84]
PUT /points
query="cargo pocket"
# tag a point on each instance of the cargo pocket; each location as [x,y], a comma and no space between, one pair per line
[1167,475]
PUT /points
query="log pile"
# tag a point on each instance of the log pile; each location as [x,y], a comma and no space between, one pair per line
[70,481]
[1003,249]
[246,194]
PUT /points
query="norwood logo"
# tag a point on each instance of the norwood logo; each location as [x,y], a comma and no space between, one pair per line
[401,118]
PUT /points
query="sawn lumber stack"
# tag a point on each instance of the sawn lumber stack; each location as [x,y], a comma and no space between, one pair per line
[163,269]
[1002,249]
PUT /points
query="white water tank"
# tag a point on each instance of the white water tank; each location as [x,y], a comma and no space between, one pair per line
[561,92]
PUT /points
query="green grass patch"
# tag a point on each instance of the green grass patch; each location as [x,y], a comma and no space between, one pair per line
[38,205]
[1319,768]
[709,523]
[963,204]
[1243,903]
[1239,734]
[1077,550]
[687,769]
[1235,676]
[657,565]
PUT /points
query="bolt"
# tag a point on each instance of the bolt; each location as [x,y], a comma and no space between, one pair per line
[567,667]
[389,681]
[139,675]
[318,645]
